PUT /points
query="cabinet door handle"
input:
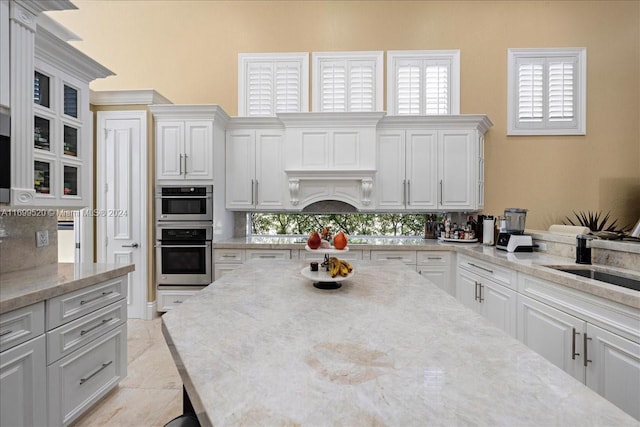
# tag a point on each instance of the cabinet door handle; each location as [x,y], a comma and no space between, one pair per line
[480,297]
[7,332]
[104,365]
[408,192]
[252,192]
[86,331]
[257,199]
[83,302]
[475,296]
[404,191]
[586,358]
[440,195]
[180,166]
[481,268]
[185,165]
[573,345]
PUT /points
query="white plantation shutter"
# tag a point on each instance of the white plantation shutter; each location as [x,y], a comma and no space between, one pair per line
[423,82]
[260,89]
[347,81]
[334,85]
[530,93]
[561,90]
[546,92]
[436,88]
[272,83]
[287,82]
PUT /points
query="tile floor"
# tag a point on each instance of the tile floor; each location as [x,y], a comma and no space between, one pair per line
[151,394]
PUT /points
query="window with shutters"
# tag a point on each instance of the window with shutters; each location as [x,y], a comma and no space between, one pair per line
[547,91]
[347,81]
[425,82]
[271,83]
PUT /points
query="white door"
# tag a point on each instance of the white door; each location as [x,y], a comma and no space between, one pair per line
[241,158]
[170,149]
[457,169]
[499,305]
[122,195]
[422,170]
[270,178]
[613,368]
[198,150]
[391,182]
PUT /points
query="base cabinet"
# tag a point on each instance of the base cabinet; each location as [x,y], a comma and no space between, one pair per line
[23,391]
[436,266]
[170,299]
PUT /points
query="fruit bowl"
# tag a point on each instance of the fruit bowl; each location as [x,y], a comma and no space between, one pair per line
[323,280]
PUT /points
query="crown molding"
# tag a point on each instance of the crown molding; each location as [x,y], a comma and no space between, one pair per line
[463,121]
[189,111]
[254,123]
[127,97]
[332,120]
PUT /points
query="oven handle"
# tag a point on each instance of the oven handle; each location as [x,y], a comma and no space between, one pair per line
[176,196]
[207,245]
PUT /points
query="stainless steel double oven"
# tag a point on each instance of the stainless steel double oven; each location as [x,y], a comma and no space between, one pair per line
[184,232]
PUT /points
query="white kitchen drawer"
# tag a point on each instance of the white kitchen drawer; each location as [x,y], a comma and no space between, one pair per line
[73,335]
[168,300]
[73,305]
[21,325]
[315,256]
[272,254]
[433,258]
[228,255]
[498,274]
[220,270]
[78,380]
[408,257]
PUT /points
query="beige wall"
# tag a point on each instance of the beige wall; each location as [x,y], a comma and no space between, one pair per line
[187,51]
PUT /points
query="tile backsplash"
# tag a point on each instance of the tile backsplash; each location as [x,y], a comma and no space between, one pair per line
[18,249]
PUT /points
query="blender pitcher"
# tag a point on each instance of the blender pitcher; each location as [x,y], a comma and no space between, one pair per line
[515,220]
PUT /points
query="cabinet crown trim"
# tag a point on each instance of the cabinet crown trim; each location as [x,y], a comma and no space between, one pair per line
[331,120]
[189,112]
[464,121]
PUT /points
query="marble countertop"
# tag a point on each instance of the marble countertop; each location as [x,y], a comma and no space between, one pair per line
[262,346]
[533,263]
[24,287]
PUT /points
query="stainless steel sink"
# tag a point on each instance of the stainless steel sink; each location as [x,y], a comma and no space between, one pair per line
[596,273]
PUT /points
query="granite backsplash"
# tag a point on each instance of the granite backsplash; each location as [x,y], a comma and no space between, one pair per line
[18,249]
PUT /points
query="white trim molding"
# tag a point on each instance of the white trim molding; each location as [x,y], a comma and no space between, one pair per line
[127,97]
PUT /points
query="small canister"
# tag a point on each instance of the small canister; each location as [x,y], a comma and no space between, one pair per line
[313,266]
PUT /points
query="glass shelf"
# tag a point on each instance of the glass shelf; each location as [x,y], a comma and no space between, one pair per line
[41,133]
[70,101]
[41,177]
[70,141]
[70,181]
[41,89]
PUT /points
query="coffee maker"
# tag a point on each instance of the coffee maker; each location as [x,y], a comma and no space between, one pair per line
[512,237]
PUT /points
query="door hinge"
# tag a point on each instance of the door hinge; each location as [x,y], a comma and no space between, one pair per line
[77,245]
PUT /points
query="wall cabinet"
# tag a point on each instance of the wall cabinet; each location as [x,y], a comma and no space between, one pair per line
[255,169]
[49,112]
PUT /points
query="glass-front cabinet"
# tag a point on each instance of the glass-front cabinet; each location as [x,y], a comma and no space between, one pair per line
[61,132]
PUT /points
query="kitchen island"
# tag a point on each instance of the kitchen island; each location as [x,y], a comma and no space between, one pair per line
[263,346]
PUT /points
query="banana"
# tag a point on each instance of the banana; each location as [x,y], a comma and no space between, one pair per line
[348,265]
[334,266]
[343,269]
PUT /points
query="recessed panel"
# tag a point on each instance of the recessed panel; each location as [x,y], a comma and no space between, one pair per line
[315,149]
[346,150]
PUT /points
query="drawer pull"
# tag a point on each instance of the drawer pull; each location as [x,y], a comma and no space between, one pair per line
[177,301]
[96,372]
[86,331]
[573,345]
[228,256]
[266,256]
[434,257]
[7,332]
[394,257]
[481,268]
[95,298]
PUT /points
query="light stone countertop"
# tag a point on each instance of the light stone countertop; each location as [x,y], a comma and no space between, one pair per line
[24,287]
[530,263]
[262,346]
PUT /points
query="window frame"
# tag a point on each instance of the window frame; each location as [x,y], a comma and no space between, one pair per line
[319,57]
[453,58]
[515,126]
[245,59]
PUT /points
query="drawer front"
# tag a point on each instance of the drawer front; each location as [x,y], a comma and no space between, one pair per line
[73,335]
[78,380]
[21,325]
[408,257]
[228,255]
[501,275]
[314,256]
[73,305]
[168,300]
[434,258]
[272,254]
[222,269]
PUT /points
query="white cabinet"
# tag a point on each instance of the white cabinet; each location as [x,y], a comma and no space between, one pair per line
[430,163]
[478,287]
[23,384]
[226,260]
[407,172]
[4,55]
[23,398]
[255,178]
[407,257]
[184,150]
[187,140]
[594,340]
[437,267]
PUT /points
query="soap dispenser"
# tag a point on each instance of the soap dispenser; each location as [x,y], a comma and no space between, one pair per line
[583,249]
